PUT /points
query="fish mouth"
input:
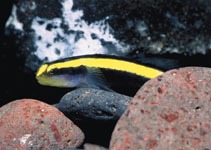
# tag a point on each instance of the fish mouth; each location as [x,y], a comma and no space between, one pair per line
[52,81]
[42,80]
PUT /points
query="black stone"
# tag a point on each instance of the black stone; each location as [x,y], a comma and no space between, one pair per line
[93,104]
[94,111]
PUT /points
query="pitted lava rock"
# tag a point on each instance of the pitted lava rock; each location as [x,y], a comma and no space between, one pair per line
[171,111]
[31,124]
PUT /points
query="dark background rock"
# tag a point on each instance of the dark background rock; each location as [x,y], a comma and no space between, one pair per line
[172,26]
[153,27]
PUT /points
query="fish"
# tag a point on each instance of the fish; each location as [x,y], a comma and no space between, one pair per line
[98,71]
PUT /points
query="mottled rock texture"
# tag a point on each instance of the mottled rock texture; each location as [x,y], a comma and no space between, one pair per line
[47,30]
[31,124]
[171,111]
[155,26]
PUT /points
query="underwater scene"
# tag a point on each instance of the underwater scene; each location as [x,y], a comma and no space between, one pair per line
[99,75]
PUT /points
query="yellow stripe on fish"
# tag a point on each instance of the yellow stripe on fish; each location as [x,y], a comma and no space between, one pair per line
[89,71]
[106,63]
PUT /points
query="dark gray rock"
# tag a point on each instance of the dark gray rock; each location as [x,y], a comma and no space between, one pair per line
[155,26]
[48,30]
[93,111]
[93,104]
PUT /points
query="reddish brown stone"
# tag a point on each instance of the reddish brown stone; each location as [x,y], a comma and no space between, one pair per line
[31,124]
[171,111]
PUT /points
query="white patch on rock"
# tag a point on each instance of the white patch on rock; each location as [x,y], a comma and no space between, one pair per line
[80,39]
[175,22]
[142,28]
[156,46]
[173,50]
[45,39]
[13,20]
[24,138]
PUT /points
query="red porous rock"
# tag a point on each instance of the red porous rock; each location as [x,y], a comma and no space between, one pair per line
[31,124]
[170,112]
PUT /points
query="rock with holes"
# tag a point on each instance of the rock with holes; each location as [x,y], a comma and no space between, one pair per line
[93,104]
[31,124]
[171,111]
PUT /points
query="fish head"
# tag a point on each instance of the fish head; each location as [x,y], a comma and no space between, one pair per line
[52,75]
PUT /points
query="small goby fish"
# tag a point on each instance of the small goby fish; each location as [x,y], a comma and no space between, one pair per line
[96,71]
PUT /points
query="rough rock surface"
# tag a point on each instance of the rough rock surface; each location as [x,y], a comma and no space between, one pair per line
[31,124]
[93,104]
[171,111]
[94,110]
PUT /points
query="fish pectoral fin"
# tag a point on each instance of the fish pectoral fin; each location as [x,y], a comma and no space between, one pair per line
[96,79]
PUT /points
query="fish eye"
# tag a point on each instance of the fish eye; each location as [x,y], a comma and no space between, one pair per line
[52,71]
